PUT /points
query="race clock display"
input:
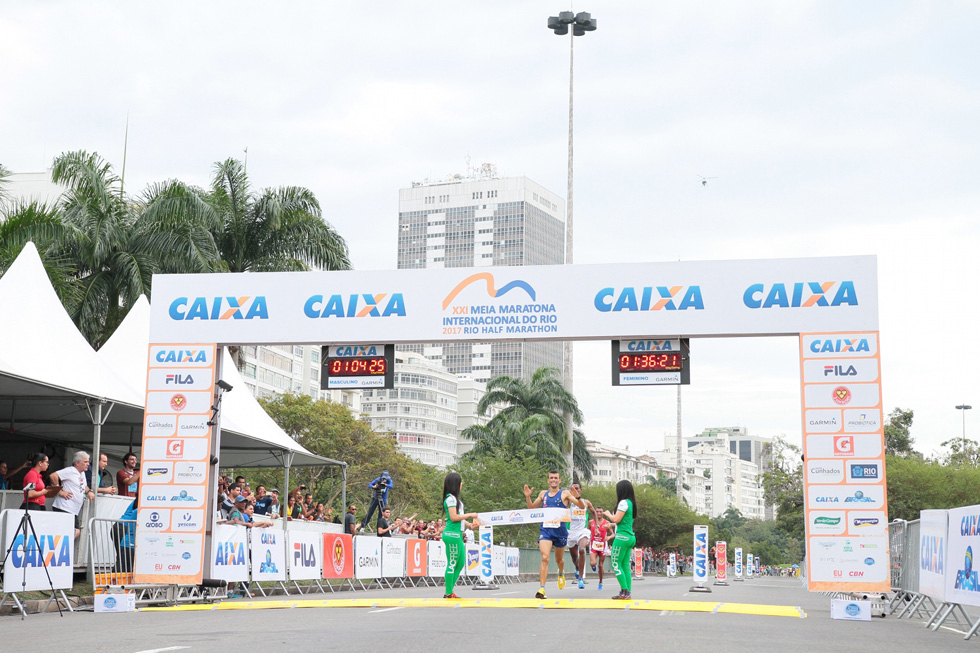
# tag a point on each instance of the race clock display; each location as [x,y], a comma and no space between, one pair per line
[651,362]
[357,366]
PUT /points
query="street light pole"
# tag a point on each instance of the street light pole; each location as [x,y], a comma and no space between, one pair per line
[964,408]
[581,23]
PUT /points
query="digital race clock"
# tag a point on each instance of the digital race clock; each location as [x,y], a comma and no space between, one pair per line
[357,366]
[651,362]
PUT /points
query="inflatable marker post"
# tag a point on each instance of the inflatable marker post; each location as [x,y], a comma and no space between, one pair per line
[672,566]
[700,559]
[749,564]
[721,563]
[738,565]
[485,579]
[637,564]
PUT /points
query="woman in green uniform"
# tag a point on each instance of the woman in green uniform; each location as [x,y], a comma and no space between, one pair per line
[625,540]
[452,537]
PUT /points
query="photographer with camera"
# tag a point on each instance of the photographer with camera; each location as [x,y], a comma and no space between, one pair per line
[381,487]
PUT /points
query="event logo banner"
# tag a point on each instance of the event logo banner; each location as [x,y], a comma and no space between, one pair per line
[173,485]
[846,498]
[696,298]
[29,557]
[547,516]
[700,553]
[721,561]
[338,555]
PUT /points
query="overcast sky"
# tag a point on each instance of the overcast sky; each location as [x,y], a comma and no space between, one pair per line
[830,128]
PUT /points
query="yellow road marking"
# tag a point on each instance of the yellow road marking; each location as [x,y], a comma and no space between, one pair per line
[547,604]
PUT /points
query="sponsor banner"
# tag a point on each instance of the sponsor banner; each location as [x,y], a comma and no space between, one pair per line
[163,449]
[416,558]
[839,345]
[749,565]
[862,420]
[229,553]
[962,545]
[338,555]
[670,344]
[513,561]
[864,445]
[824,471]
[738,562]
[190,472]
[437,559]
[304,554]
[867,523]
[933,561]
[864,471]
[186,520]
[153,519]
[160,426]
[700,553]
[178,402]
[858,560]
[31,559]
[165,554]
[173,496]
[268,546]
[193,426]
[849,610]
[827,522]
[650,378]
[672,568]
[696,298]
[721,561]
[471,561]
[499,560]
[367,556]
[164,378]
[355,351]
[393,557]
[525,516]
[486,553]
[842,395]
[638,563]
[182,356]
[846,497]
[833,370]
[160,473]
[823,421]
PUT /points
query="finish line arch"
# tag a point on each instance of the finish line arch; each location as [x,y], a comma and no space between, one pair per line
[830,304]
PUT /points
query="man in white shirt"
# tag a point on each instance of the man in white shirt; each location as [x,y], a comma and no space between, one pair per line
[74,489]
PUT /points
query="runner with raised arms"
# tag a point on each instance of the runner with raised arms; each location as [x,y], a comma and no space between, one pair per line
[553,534]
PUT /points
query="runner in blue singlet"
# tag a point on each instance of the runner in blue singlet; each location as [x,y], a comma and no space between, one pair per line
[553,534]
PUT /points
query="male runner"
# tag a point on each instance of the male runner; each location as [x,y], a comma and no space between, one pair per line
[578,535]
[553,534]
[601,531]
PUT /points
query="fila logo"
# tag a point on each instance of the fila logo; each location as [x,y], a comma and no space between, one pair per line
[219,308]
[179,379]
[363,305]
[649,299]
[838,370]
[800,295]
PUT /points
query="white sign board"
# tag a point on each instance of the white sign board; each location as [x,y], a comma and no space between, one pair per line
[53,548]
[393,557]
[471,560]
[933,531]
[499,562]
[268,554]
[367,556]
[437,559]
[962,546]
[486,553]
[700,553]
[850,610]
[513,561]
[229,553]
[547,302]
[304,554]
[738,562]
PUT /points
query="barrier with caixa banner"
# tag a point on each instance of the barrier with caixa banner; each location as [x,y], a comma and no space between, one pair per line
[338,558]
[229,553]
[268,546]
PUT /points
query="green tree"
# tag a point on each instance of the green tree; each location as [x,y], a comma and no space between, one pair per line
[663,519]
[898,437]
[782,486]
[529,437]
[915,484]
[963,452]
[42,225]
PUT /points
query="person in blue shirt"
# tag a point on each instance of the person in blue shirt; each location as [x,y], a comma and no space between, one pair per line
[127,537]
[381,486]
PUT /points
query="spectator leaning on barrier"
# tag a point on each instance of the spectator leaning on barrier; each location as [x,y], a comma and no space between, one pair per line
[127,478]
[384,528]
[350,522]
[74,489]
[105,485]
[228,504]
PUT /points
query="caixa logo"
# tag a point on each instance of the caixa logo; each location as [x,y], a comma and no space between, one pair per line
[362,305]
[182,356]
[650,298]
[840,346]
[45,551]
[800,295]
[219,308]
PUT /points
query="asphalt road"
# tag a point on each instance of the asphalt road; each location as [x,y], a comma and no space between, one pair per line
[491,629]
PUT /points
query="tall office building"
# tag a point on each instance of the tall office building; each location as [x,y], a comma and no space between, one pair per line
[482,220]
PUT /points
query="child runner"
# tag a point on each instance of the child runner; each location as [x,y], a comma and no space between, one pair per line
[452,537]
[553,534]
[601,531]
[625,538]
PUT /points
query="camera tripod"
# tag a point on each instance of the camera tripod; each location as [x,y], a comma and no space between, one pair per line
[23,527]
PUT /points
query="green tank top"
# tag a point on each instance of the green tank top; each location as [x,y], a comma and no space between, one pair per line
[625,525]
[452,526]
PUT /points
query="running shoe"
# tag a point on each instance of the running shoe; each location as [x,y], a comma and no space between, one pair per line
[450,596]
[561,581]
[577,577]
[540,594]
[593,568]
[623,596]
[600,587]
[581,584]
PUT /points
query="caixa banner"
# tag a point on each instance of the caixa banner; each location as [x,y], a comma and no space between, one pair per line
[32,558]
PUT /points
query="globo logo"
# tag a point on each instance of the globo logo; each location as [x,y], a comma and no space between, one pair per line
[219,308]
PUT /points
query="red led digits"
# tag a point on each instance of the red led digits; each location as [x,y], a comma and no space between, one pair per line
[649,362]
[358,366]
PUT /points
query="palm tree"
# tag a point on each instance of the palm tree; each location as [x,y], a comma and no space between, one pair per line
[36,222]
[278,229]
[116,245]
[528,438]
